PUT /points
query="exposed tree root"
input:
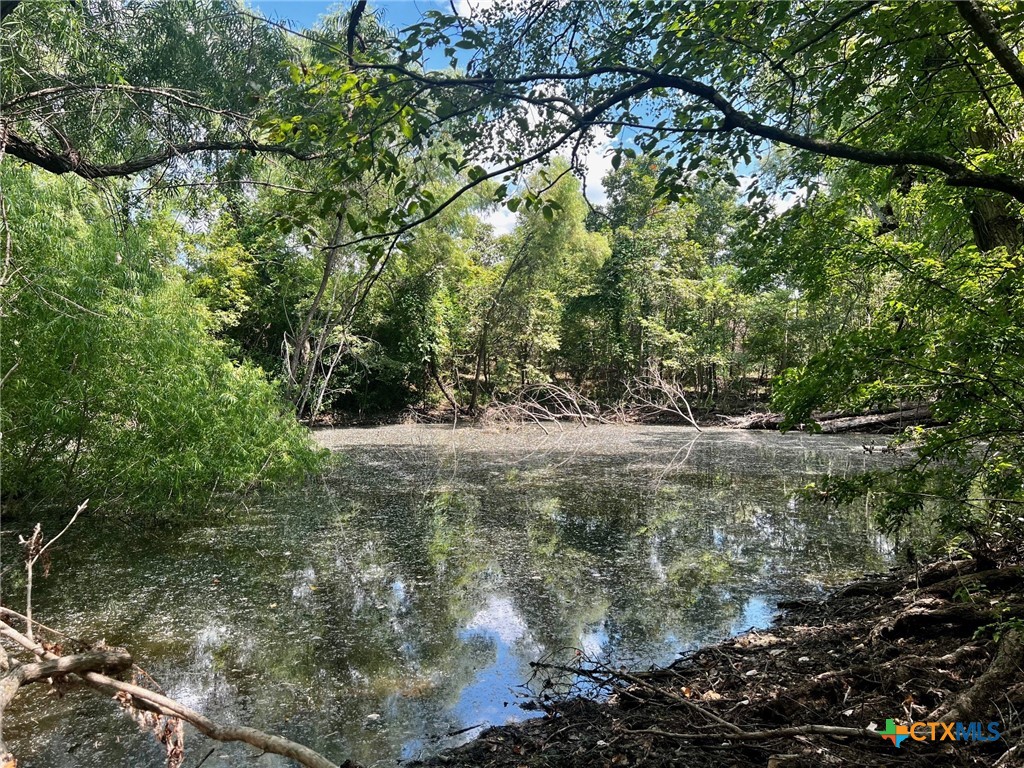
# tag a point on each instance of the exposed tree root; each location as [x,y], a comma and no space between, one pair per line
[978,702]
[969,583]
[952,619]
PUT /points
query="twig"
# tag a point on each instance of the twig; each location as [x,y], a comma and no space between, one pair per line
[34,550]
[777,733]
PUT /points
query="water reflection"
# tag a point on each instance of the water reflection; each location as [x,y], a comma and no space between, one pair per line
[401,599]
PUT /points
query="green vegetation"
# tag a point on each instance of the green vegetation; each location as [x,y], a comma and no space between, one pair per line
[121,393]
[812,205]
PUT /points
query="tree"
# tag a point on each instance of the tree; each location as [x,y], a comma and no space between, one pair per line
[108,89]
[548,261]
[704,86]
[909,108]
[114,388]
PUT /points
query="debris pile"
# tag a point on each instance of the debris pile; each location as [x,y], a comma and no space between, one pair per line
[938,646]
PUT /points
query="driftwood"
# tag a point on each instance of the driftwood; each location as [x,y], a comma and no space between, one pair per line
[650,397]
[837,423]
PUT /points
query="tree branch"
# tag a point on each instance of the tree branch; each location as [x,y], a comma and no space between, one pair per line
[957,174]
[155,702]
[73,162]
[985,28]
[24,674]
[79,663]
[857,11]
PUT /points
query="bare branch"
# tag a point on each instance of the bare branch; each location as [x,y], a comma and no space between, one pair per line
[147,699]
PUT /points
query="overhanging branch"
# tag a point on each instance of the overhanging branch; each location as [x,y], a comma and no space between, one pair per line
[644,81]
[72,161]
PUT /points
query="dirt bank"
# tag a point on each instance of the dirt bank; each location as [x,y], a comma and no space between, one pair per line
[941,643]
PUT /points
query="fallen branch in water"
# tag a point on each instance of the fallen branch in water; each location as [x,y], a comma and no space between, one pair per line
[649,397]
[18,675]
[652,396]
[152,710]
[145,699]
[542,402]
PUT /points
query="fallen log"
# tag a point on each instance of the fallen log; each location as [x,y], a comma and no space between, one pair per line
[894,421]
[19,675]
[837,423]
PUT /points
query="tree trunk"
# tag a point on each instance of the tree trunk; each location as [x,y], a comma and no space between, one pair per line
[299,354]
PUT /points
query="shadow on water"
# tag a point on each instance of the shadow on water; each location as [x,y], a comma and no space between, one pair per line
[402,598]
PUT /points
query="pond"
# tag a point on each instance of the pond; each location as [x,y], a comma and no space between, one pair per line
[392,608]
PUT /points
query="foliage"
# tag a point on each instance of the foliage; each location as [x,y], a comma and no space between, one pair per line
[944,336]
[708,87]
[821,194]
[116,391]
[112,89]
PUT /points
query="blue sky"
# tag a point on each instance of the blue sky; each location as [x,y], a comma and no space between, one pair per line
[303,13]
[402,13]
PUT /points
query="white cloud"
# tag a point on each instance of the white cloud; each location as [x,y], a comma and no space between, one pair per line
[500,218]
[468,8]
[782,202]
[501,618]
[598,164]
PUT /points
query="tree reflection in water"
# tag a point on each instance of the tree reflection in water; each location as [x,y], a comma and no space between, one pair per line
[402,598]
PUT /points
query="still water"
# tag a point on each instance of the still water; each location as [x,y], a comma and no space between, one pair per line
[377,611]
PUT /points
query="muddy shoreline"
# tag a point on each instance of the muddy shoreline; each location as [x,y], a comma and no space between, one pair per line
[929,644]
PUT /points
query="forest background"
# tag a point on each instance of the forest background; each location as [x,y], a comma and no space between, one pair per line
[217,229]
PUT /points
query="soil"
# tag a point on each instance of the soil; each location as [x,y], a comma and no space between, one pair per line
[936,643]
